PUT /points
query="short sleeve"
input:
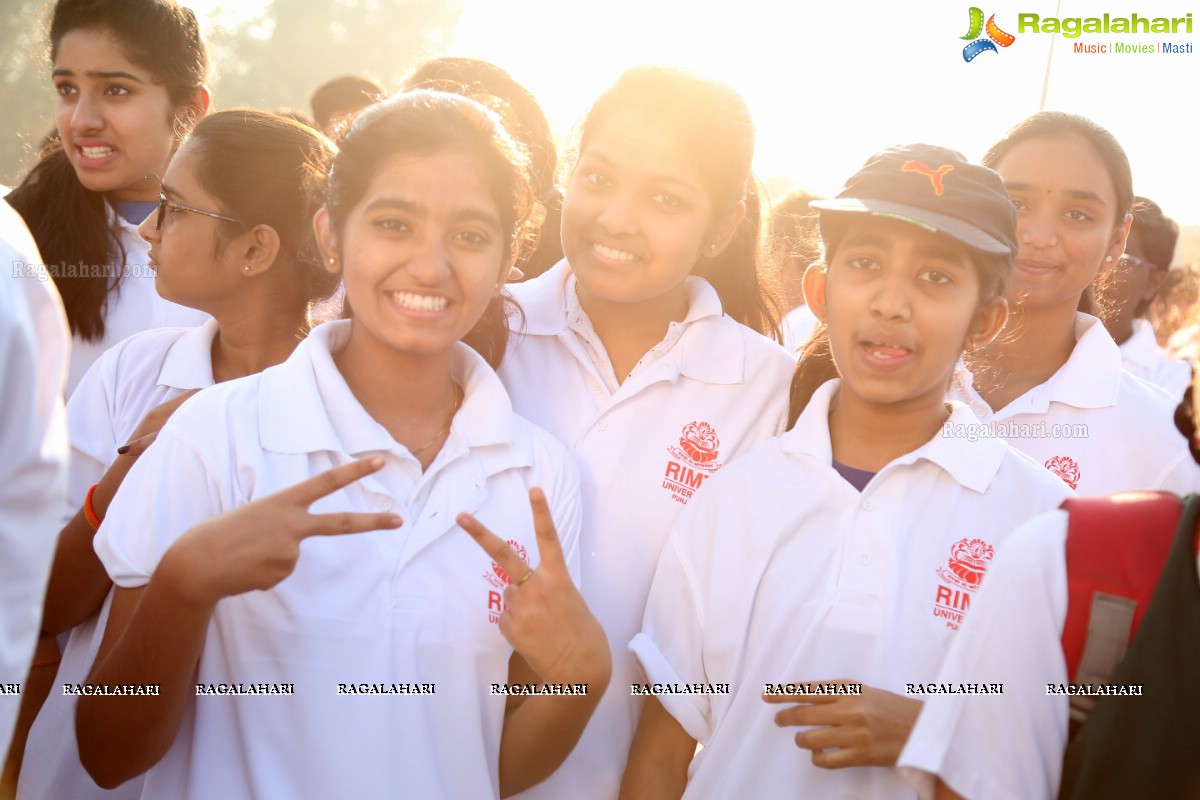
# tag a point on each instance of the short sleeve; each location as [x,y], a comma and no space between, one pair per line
[669,646]
[90,423]
[1006,746]
[170,488]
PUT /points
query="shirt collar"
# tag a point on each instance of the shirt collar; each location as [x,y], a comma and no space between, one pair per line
[1142,347]
[188,361]
[550,301]
[305,406]
[1091,378]
[971,464]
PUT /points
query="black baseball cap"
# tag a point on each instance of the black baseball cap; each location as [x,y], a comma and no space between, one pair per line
[932,187]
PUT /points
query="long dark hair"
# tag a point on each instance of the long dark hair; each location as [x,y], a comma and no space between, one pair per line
[427,121]
[265,169]
[715,129]
[70,222]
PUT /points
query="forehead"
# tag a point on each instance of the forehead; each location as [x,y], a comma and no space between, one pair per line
[85,50]
[180,175]
[1058,165]
[452,179]
[636,143]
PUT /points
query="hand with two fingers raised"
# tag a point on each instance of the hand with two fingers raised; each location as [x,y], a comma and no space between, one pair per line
[546,620]
[255,546]
[850,730]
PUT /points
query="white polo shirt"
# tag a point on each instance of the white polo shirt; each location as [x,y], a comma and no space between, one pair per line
[706,394]
[782,572]
[798,325]
[405,607]
[125,383]
[1094,425]
[34,349]
[1142,356]
[1009,747]
[135,306]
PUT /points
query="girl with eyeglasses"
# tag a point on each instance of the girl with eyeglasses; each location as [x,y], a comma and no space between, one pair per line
[129,77]
[232,238]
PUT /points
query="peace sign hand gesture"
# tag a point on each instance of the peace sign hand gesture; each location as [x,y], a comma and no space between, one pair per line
[546,620]
[256,546]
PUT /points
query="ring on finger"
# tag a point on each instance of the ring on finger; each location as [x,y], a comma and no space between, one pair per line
[528,575]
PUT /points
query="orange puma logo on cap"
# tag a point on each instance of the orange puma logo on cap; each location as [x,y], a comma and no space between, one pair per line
[935,175]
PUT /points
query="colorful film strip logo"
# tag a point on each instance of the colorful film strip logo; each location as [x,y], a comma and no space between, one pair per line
[995,36]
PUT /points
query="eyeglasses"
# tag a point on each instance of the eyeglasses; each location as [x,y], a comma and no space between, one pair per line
[1126,261]
[164,202]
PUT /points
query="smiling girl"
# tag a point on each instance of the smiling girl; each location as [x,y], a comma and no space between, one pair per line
[381,420]
[643,350]
[234,239]
[129,75]
[1053,385]
[844,553]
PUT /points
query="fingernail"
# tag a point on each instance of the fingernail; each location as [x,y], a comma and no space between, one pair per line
[123,449]
[395,521]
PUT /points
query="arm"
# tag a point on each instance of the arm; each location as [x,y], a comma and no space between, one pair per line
[540,732]
[558,640]
[659,756]
[944,792]
[78,581]
[155,634]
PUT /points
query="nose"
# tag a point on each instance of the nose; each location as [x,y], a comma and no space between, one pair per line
[618,216]
[1037,230]
[148,230]
[429,261]
[892,299]
[86,117]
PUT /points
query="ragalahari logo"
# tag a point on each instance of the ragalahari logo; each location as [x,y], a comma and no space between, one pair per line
[995,36]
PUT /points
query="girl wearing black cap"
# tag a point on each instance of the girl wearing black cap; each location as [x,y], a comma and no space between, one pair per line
[1053,384]
[869,525]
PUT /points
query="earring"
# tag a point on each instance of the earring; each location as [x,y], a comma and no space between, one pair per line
[1108,259]
[712,248]
[332,261]
[246,268]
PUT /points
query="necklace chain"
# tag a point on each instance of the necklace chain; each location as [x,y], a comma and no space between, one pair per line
[458,398]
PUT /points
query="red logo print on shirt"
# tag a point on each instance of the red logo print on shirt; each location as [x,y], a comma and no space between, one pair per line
[693,461]
[964,570]
[1065,468]
[500,580]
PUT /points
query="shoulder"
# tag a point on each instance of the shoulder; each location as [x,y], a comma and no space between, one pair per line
[142,353]
[1146,409]
[1020,472]
[219,414]
[548,454]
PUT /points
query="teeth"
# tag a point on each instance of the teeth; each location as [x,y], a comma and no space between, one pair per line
[615,255]
[885,351]
[420,302]
[97,152]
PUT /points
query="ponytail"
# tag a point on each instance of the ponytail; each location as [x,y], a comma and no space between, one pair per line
[737,273]
[815,368]
[70,225]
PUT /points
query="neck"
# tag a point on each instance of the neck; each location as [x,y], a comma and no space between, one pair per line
[869,436]
[411,395]
[1027,356]
[253,335]
[629,330]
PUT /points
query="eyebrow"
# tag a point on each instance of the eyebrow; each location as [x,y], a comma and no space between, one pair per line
[950,255]
[654,178]
[116,74]
[421,210]
[1075,194]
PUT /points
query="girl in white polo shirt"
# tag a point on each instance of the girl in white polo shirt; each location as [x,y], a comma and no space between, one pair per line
[380,663]
[841,557]
[1053,385]
[128,78]
[233,238]
[644,351]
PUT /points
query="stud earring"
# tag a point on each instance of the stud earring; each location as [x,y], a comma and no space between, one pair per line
[246,268]
[332,261]
[712,248]
[1108,259]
